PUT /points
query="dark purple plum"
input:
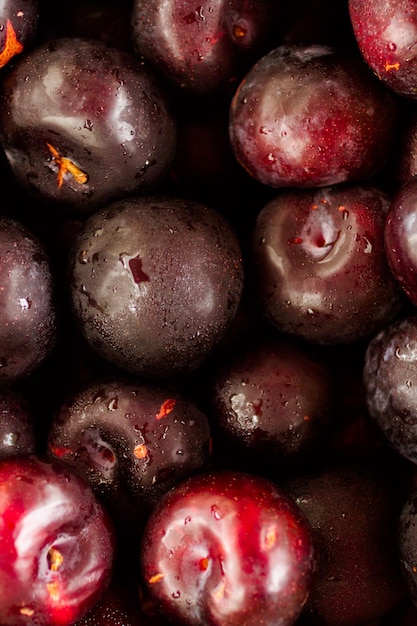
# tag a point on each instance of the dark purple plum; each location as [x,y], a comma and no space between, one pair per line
[353,514]
[390,377]
[131,442]
[227,549]
[309,116]
[82,123]
[156,283]
[28,319]
[400,237]
[57,544]
[386,33]
[320,267]
[273,402]
[204,48]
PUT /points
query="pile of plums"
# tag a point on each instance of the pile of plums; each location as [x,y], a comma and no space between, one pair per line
[208,323]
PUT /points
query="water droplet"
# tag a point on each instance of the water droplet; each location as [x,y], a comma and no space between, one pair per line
[392,46]
[112,404]
[83,257]
[215,511]
[25,303]
[10,439]
[88,125]
[180,452]
[408,384]
[176,594]
[187,519]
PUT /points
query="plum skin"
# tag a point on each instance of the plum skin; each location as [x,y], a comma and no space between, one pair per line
[130,442]
[83,123]
[203,49]
[228,548]
[57,544]
[389,374]
[309,116]
[320,267]
[386,33]
[156,283]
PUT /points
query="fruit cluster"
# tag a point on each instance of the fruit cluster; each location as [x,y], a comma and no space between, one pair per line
[208,325]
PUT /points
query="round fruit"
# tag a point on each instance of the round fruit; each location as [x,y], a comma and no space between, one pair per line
[83,123]
[56,544]
[309,116]
[155,283]
[228,549]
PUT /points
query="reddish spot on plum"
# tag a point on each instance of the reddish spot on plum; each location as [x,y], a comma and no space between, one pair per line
[135,265]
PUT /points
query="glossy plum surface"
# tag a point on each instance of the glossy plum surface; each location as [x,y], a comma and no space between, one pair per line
[309,116]
[273,402]
[83,123]
[57,544]
[391,384]
[400,233]
[228,549]
[320,267]
[386,32]
[28,316]
[130,441]
[155,283]
[203,48]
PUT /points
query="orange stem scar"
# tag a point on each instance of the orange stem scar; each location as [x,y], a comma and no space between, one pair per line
[391,66]
[55,559]
[11,46]
[155,579]
[166,408]
[66,166]
[140,451]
